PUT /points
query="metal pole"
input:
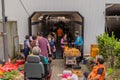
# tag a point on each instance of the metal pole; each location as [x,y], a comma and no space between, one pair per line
[4,32]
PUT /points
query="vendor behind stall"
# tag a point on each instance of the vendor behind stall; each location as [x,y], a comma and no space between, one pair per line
[79,45]
[78,41]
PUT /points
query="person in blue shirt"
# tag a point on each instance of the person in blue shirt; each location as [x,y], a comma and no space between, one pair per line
[52,46]
[78,41]
[79,45]
[27,46]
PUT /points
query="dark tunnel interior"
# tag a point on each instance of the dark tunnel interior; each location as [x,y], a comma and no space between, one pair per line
[113,19]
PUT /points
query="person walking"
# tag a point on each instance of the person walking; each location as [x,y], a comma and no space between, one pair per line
[44,45]
[52,46]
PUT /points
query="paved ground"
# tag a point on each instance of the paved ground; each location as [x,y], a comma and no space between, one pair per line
[58,67]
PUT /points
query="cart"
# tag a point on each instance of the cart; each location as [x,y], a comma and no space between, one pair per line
[70,55]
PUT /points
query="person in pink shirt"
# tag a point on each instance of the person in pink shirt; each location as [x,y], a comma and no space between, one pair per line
[44,45]
[63,42]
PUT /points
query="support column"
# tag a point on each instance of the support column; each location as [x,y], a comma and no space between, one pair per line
[4,33]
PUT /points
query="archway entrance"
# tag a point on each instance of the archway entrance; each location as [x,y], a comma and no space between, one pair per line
[49,21]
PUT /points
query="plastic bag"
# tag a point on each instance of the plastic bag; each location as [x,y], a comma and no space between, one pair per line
[74,77]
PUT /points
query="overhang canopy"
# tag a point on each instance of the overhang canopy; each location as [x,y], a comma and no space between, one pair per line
[113,19]
[74,17]
[113,9]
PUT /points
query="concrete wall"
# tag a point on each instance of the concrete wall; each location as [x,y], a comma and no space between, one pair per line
[12,40]
[92,10]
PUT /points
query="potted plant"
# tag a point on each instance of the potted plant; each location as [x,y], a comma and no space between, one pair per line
[106,45]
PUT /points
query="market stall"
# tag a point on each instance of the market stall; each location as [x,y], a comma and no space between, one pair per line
[70,55]
[50,21]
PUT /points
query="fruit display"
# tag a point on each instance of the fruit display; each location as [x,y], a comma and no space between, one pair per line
[9,67]
[71,52]
[10,71]
[1,74]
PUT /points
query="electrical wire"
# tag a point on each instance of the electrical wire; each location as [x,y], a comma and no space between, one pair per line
[24,7]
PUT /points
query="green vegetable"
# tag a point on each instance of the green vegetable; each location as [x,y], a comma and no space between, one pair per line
[10,75]
[14,72]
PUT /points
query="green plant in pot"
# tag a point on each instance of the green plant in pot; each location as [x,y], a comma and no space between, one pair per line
[106,47]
